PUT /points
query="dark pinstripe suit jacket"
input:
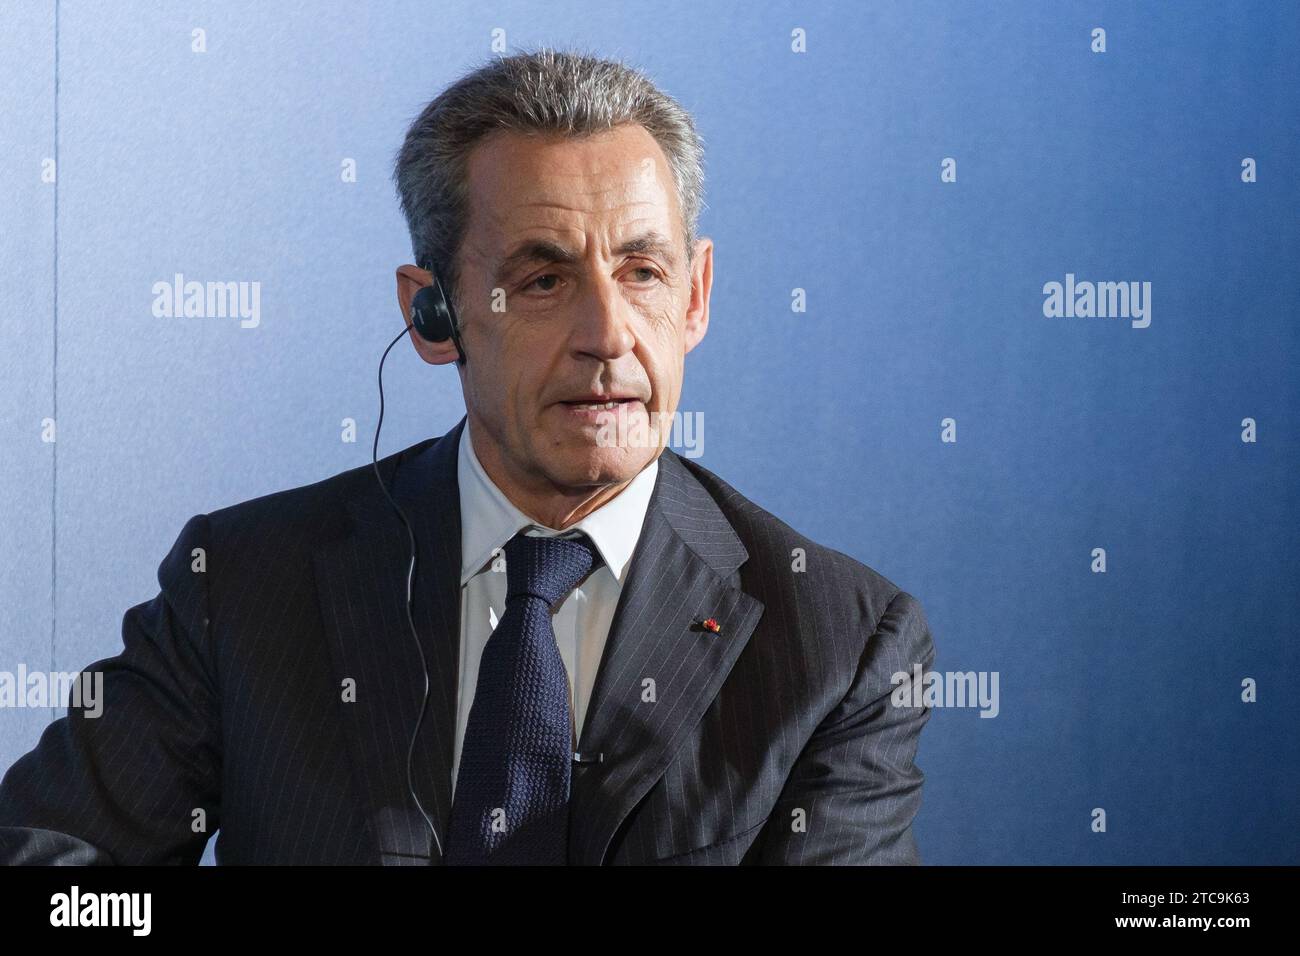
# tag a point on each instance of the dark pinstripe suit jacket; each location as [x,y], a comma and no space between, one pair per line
[773,741]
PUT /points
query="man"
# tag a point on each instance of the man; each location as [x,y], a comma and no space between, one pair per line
[612,657]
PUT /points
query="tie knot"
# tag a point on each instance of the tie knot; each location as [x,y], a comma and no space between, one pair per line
[547,567]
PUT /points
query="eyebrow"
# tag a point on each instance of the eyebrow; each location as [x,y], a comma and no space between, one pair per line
[544,250]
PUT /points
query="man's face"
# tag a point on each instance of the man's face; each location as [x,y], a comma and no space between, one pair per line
[574,284]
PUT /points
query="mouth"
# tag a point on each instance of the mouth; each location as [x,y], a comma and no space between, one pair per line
[595,402]
[593,408]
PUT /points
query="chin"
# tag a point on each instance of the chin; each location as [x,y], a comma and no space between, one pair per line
[602,466]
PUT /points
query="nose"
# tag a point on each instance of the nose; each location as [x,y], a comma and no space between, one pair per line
[602,328]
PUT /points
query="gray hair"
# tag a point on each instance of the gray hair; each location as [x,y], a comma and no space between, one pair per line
[546,92]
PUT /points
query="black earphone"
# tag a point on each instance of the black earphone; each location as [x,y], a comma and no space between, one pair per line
[433,316]
[434,320]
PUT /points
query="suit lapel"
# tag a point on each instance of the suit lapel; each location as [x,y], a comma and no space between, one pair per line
[682,571]
[361,587]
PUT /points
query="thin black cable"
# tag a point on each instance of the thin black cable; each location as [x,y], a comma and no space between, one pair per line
[410,577]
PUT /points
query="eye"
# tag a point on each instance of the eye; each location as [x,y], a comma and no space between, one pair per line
[652,274]
[548,275]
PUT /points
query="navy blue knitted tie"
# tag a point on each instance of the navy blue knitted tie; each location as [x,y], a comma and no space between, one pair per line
[512,789]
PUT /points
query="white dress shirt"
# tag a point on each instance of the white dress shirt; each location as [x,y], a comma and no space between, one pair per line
[488,520]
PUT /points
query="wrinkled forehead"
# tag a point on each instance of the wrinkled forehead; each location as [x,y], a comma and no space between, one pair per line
[609,183]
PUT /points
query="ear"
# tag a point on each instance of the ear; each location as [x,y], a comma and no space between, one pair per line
[697,313]
[410,280]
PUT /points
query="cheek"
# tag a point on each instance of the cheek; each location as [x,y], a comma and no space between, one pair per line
[664,357]
[523,383]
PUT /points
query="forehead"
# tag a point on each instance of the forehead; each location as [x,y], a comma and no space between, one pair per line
[614,179]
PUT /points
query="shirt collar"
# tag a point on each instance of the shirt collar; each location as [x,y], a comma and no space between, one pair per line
[488,519]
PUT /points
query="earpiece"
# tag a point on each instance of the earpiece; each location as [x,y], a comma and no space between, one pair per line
[410,593]
[434,320]
[433,316]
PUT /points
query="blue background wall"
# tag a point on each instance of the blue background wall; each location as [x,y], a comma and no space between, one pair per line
[1119,690]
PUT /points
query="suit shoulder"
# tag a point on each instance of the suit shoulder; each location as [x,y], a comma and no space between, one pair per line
[773,556]
[306,513]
